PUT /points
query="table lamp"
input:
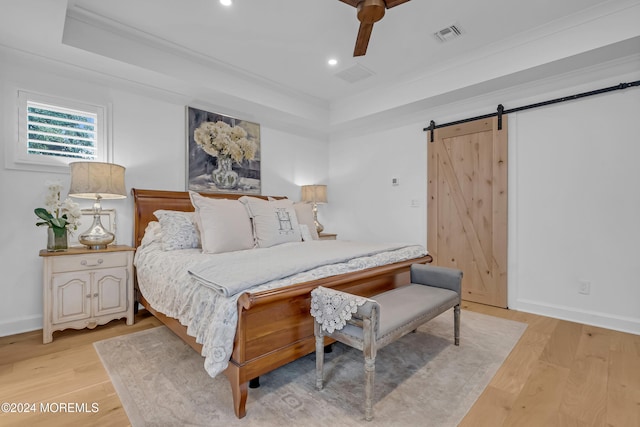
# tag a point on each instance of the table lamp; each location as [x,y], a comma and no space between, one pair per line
[96,180]
[315,194]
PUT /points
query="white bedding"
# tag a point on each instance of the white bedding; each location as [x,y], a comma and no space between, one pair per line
[210,317]
[234,272]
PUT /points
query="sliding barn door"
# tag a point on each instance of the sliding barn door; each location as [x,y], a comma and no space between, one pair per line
[467,206]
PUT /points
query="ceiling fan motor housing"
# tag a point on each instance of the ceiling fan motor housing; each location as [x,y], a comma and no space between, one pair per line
[370,11]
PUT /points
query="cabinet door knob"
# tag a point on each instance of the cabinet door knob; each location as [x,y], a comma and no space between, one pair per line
[84,262]
[88,296]
[95,295]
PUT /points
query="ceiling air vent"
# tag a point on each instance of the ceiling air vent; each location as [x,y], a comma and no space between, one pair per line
[448,33]
[354,74]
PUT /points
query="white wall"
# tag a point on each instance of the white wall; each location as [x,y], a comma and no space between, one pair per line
[574,205]
[148,132]
[363,203]
[577,209]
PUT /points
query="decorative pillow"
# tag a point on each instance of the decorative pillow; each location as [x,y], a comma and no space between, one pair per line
[274,221]
[224,224]
[178,230]
[304,232]
[304,212]
[152,233]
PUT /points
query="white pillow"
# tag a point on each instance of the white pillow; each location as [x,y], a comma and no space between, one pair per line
[179,230]
[224,224]
[152,233]
[304,232]
[274,221]
[304,212]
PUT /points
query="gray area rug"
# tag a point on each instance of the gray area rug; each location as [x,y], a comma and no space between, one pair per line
[421,379]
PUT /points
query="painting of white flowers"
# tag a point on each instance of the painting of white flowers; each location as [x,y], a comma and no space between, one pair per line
[223,153]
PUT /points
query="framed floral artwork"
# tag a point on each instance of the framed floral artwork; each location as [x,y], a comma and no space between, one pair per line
[223,153]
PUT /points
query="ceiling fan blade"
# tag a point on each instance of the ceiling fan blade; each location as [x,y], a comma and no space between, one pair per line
[390,3]
[364,33]
[353,3]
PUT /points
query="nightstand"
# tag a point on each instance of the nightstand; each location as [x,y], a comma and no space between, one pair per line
[83,288]
[327,236]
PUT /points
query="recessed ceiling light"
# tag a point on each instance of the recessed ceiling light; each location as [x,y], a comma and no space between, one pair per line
[333,62]
[225,2]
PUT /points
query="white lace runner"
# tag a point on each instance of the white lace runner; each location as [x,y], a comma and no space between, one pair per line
[332,309]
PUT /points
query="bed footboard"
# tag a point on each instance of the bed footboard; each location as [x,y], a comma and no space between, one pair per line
[275,327]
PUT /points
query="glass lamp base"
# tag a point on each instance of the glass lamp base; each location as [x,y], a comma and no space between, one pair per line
[319,227]
[96,237]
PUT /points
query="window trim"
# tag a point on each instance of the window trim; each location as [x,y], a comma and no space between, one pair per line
[20,158]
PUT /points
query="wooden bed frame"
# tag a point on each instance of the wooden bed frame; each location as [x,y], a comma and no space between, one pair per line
[274,326]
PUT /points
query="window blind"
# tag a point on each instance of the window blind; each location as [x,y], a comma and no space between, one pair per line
[62,132]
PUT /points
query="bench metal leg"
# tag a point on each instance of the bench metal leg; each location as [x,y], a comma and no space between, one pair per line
[319,355]
[456,324]
[369,378]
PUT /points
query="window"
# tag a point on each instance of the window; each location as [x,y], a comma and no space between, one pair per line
[53,132]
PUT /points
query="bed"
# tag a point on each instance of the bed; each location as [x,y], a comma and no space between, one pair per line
[274,326]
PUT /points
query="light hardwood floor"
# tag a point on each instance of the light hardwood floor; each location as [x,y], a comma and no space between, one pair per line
[559,374]
[562,374]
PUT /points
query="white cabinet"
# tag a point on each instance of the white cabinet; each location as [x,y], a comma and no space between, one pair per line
[83,288]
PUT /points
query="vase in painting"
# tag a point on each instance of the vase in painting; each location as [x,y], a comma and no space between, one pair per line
[224,177]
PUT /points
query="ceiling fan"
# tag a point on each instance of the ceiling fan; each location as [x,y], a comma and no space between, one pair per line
[369,12]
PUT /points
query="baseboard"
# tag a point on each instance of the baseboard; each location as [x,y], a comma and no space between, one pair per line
[602,320]
[18,326]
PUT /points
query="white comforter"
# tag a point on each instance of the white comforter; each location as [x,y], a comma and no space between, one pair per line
[210,317]
[233,272]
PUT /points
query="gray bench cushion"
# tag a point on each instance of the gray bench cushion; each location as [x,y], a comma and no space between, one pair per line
[405,304]
[383,319]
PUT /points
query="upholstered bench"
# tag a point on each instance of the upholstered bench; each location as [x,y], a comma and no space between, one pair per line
[369,324]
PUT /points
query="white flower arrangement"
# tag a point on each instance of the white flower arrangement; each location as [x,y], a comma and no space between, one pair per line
[219,139]
[58,215]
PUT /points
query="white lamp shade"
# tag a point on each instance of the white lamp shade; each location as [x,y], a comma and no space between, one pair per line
[92,180]
[314,193]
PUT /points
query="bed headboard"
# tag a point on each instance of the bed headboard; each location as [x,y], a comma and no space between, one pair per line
[146,202]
